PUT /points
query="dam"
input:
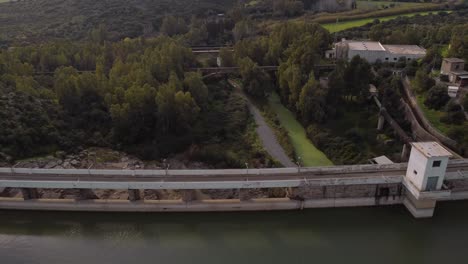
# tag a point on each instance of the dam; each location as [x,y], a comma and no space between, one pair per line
[428,177]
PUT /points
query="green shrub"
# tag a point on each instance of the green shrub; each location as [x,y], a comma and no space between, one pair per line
[437,97]
[454,114]
[339,149]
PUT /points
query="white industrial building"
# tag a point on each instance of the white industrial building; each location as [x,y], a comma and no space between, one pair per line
[374,51]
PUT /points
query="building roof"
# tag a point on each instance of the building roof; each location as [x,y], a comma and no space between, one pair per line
[405,49]
[382,160]
[459,73]
[452,60]
[431,149]
[365,45]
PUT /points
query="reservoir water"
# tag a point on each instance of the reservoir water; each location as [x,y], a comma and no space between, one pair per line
[346,235]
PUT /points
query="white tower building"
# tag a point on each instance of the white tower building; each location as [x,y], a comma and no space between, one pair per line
[425,176]
[427,164]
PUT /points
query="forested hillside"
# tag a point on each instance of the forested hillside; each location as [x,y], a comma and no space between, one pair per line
[135,95]
[30,21]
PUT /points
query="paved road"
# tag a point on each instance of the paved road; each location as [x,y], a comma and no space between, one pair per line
[266,134]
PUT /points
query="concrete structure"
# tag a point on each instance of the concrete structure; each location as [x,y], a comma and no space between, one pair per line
[373,90]
[454,68]
[381,160]
[425,177]
[459,77]
[452,64]
[409,52]
[374,51]
[330,54]
[427,165]
[337,186]
[452,91]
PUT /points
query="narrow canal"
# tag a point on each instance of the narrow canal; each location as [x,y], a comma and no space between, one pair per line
[310,155]
[348,235]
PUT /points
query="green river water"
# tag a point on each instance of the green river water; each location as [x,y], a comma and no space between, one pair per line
[346,235]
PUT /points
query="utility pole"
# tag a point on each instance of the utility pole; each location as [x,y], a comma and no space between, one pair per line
[298,164]
[166,166]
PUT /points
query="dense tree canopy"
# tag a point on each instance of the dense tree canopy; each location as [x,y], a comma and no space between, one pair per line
[312,104]
[437,97]
[254,81]
[44,20]
[423,82]
[137,95]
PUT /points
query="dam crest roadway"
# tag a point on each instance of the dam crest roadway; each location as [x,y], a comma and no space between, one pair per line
[308,187]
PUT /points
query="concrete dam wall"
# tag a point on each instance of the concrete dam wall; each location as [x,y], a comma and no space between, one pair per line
[226,190]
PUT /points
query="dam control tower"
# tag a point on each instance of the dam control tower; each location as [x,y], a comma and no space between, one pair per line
[424,177]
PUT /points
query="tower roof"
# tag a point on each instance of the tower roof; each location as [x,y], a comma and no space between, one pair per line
[431,149]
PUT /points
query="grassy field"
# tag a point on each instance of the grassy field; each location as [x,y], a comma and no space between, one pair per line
[310,155]
[433,115]
[372,5]
[335,27]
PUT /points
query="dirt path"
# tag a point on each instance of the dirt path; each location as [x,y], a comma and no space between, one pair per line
[266,134]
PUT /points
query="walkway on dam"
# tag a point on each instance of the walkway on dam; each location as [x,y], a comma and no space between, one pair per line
[215,179]
[266,134]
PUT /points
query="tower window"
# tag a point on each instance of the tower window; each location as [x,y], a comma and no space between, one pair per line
[415,172]
[436,163]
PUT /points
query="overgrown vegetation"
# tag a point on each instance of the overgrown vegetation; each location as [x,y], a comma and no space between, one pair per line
[24,22]
[443,35]
[117,73]
[280,131]
[135,95]
[296,48]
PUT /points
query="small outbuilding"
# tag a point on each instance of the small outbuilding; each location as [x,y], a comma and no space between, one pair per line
[452,91]
[452,65]
[454,68]
[381,160]
[459,77]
